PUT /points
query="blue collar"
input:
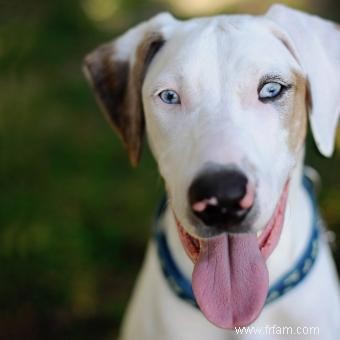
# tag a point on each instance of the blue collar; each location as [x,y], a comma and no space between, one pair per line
[181,286]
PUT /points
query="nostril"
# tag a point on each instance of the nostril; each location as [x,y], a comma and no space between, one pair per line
[221,197]
[203,204]
[248,199]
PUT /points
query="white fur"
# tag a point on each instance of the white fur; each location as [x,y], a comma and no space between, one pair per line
[215,65]
[316,42]
[220,120]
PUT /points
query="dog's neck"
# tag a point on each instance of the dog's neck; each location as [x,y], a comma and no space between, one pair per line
[295,233]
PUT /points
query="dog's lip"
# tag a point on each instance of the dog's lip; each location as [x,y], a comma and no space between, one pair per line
[267,238]
[191,244]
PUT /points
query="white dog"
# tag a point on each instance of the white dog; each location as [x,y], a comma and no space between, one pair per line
[225,101]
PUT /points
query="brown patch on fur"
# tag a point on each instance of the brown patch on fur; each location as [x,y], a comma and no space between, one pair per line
[296,123]
[337,27]
[117,86]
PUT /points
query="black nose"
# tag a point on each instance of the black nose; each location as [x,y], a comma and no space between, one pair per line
[221,197]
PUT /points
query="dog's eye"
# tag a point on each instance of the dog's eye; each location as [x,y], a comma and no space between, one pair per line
[170,97]
[270,90]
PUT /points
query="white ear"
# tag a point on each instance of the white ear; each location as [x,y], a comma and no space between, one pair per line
[116,72]
[317,43]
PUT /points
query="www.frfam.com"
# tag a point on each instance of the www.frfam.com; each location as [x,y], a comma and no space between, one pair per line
[278,330]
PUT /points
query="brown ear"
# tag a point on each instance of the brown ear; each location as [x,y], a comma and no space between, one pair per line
[116,71]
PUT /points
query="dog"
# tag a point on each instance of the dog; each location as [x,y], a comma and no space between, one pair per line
[225,102]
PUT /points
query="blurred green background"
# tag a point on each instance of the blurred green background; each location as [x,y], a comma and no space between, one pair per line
[74,217]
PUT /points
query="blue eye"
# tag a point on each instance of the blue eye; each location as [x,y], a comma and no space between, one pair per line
[270,90]
[170,97]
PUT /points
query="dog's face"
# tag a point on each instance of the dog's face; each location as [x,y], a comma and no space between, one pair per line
[224,113]
[225,102]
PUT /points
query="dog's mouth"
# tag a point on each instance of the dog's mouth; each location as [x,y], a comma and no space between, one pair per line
[230,277]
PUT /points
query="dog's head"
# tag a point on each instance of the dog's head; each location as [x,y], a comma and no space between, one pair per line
[225,102]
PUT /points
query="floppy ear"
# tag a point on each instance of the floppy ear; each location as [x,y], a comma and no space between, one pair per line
[317,44]
[116,72]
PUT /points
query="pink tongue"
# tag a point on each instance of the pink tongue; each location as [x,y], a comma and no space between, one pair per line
[230,280]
